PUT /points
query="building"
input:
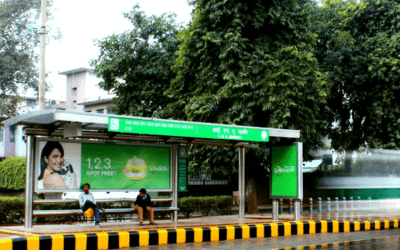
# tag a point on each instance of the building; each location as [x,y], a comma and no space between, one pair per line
[83,92]
[12,139]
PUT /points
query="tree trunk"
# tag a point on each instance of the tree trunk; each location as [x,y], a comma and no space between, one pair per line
[251,196]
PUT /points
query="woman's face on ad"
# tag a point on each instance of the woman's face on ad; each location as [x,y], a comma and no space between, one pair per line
[55,160]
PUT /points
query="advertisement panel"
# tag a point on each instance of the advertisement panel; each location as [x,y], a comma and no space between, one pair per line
[182,174]
[62,165]
[286,172]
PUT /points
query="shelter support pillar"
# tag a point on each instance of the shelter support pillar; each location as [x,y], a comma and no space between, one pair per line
[297,213]
[275,209]
[174,172]
[29,179]
[241,183]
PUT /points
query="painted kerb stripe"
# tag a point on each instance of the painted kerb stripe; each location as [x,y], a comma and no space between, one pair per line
[116,240]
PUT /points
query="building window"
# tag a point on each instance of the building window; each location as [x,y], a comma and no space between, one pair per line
[100,111]
[30,101]
[11,137]
[1,135]
[108,111]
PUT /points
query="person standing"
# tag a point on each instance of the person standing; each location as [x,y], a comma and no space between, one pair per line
[86,201]
[143,203]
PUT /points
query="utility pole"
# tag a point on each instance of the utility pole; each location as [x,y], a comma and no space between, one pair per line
[42,73]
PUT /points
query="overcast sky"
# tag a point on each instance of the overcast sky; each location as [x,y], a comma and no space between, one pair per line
[82,21]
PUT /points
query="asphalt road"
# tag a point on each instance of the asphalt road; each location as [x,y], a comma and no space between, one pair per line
[382,239]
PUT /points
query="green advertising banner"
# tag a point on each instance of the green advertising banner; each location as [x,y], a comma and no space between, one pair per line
[187,129]
[284,172]
[182,175]
[125,167]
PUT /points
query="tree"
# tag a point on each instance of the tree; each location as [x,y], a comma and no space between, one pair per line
[136,64]
[359,46]
[17,57]
[249,63]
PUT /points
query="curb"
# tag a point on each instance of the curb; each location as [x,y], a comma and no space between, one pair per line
[137,238]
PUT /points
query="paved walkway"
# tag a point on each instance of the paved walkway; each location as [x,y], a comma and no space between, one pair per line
[49,229]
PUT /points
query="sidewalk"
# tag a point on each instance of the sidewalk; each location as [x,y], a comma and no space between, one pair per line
[114,235]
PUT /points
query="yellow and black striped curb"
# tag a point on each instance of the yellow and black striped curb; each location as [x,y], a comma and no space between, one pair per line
[115,240]
[337,245]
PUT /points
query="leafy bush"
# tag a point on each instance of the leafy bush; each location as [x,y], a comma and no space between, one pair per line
[12,210]
[224,204]
[206,204]
[187,205]
[13,173]
[221,204]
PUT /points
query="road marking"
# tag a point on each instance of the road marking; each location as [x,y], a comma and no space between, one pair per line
[161,236]
[102,240]
[33,243]
[123,239]
[260,230]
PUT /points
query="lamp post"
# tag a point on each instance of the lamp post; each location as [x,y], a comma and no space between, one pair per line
[42,72]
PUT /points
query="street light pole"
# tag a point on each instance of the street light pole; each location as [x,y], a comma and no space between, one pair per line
[42,73]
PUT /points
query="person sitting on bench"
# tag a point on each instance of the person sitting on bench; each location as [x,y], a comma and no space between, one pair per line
[143,203]
[86,201]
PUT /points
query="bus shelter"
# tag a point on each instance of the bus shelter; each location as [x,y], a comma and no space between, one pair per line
[121,153]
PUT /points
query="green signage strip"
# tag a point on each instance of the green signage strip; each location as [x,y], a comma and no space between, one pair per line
[125,167]
[182,175]
[180,129]
[284,172]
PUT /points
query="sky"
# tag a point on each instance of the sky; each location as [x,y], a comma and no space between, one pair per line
[82,21]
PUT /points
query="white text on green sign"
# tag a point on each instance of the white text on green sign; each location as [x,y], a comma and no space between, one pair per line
[181,129]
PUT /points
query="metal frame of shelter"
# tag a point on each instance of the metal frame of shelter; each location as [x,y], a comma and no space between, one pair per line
[75,125]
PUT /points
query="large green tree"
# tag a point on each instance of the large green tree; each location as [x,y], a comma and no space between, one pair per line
[359,46]
[136,64]
[250,63]
[17,56]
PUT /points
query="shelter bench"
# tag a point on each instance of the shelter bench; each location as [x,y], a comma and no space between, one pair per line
[78,212]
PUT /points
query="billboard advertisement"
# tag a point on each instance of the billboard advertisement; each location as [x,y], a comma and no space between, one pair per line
[62,165]
[286,172]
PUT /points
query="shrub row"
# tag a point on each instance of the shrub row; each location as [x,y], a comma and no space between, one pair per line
[12,209]
[220,204]
[12,171]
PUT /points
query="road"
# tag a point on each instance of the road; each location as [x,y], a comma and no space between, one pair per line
[383,239]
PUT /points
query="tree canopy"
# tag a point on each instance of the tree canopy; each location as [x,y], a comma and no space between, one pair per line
[18,71]
[250,63]
[325,70]
[17,58]
[359,46]
[137,64]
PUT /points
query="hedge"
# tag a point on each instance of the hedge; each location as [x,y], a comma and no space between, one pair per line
[220,204]
[12,171]
[12,209]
